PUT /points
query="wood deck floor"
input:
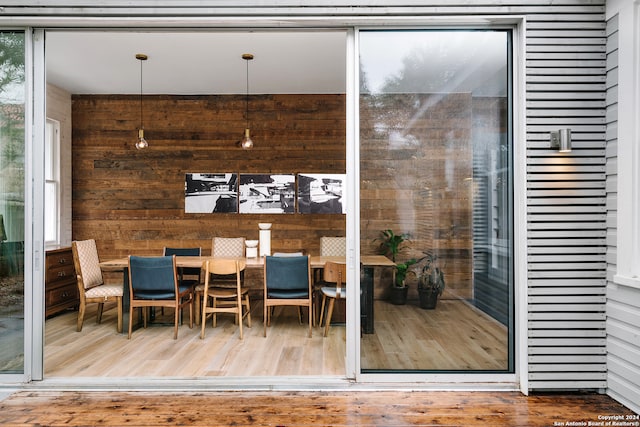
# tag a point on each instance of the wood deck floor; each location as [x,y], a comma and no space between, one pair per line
[354,408]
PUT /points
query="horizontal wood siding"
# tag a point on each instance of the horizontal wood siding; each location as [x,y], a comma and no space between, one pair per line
[550,10]
[566,200]
[623,303]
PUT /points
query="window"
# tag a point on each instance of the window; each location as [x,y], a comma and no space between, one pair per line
[436,167]
[52,183]
[12,202]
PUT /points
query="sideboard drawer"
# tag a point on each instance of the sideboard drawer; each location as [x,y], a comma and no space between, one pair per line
[62,295]
[59,258]
[60,287]
[63,272]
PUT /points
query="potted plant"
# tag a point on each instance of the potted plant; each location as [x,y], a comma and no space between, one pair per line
[390,245]
[399,290]
[430,282]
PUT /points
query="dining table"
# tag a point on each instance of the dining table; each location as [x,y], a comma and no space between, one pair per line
[367,278]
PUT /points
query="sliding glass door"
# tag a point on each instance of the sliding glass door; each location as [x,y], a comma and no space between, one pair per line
[436,196]
[12,207]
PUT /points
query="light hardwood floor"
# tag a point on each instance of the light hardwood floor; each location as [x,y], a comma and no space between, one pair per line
[454,336]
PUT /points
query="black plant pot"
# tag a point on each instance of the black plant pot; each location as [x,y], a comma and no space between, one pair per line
[428,299]
[399,295]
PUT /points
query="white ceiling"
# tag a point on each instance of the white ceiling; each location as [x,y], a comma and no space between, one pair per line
[103,62]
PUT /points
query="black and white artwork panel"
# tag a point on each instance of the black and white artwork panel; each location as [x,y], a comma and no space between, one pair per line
[322,193]
[211,193]
[267,193]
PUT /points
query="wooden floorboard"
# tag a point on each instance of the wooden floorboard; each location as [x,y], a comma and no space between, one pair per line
[455,336]
[335,408]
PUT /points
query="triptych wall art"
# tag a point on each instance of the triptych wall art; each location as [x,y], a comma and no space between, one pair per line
[253,193]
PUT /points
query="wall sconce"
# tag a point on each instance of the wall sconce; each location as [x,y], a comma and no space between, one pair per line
[561,140]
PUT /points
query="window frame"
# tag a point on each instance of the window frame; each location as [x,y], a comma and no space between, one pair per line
[519,359]
[34,243]
[52,165]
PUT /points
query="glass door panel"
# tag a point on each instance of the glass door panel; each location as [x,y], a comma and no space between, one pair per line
[12,143]
[436,195]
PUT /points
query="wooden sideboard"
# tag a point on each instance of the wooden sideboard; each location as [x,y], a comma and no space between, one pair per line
[61,290]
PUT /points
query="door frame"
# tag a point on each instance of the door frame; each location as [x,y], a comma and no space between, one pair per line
[34,325]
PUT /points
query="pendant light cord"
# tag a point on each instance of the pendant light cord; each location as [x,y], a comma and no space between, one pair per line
[247,96]
[141,121]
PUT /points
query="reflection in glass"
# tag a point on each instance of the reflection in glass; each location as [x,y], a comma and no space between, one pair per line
[435,164]
[11,202]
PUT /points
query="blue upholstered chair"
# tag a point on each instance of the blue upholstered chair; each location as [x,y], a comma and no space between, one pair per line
[153,282]
[287,281]
[186,275]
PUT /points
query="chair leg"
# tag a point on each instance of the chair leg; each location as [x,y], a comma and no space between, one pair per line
[248,313]
[239,313]
[176,318]
[202,325]
[203,322]
[327,322]
[214,315]
[314,308]
[130,319]
[265,318]
[119,303]
[145,316]
[99,315]
[324,299]
[81,310]
[310,319]
[198,308]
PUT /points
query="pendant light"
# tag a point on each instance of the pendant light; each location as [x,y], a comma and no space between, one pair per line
[141,142]
[246,142]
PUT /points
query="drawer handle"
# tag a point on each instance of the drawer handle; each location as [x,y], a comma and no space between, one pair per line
[62,261]
[61,274]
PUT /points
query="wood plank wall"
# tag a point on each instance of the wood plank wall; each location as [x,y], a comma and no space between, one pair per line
[132,202]
[418,181]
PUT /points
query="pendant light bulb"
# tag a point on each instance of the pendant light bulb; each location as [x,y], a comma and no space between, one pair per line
[141,143]
[247,142]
